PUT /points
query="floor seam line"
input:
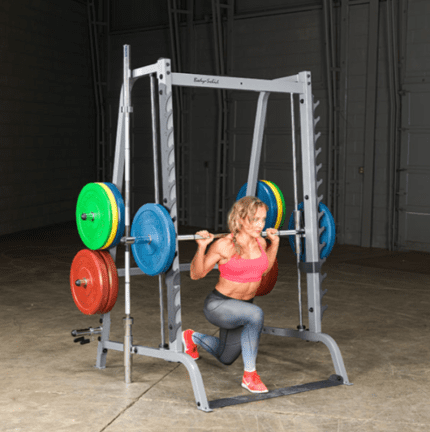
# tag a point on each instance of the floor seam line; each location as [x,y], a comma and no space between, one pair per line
[138,398]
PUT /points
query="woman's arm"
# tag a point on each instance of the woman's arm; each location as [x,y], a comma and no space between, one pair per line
[202,264]
[272,250]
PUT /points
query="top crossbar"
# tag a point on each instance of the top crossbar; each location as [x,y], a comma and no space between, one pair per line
[281,85]
[292,84]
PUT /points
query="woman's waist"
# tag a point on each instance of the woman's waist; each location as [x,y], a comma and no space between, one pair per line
[237,290]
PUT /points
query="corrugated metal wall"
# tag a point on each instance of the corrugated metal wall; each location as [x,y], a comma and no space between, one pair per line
[271,45]
[414,174]
[46,112]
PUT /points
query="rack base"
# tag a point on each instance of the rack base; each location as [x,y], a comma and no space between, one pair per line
[333,381]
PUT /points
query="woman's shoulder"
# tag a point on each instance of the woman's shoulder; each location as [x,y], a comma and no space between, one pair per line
[224,245]
[225,241]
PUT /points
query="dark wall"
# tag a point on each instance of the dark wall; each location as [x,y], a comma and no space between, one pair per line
[375,86]
[46,112]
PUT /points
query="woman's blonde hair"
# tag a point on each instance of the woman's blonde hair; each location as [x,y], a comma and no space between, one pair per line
[245,207]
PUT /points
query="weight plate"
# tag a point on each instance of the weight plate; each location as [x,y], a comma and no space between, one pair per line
[113,281]
[89,268]
[328,236]
[172,244]
[114,208]
[155,256]
[121,214]
[265,194]
[93,202]
[268,281]
[284,207]
[278,204]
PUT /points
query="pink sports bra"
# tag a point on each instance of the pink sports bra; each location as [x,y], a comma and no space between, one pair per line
[245,270]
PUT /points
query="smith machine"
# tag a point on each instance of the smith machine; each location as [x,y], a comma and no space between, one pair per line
[161,96]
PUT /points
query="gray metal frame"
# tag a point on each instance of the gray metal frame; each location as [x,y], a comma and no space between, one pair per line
[299,84]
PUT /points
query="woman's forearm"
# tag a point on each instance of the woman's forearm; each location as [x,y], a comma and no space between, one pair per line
[197,264]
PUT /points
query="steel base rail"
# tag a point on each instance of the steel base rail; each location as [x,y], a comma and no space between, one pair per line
[175,357]
[310,336]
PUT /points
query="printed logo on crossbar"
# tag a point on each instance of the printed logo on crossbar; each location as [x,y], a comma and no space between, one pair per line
[206,80]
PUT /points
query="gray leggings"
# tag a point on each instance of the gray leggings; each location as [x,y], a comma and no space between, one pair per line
[240,323]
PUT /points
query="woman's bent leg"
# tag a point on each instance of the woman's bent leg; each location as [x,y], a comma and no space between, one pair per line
[230,314]
[210,343]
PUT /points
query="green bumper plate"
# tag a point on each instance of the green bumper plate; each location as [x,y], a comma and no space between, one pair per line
[94,216]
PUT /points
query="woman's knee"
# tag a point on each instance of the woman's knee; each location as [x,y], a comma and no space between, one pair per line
[259,315]
[256,317]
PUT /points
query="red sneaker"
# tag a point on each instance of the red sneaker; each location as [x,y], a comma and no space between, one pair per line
[252,382]
[189,345]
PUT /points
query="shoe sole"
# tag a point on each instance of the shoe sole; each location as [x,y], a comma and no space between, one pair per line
[254,391]
[183,342]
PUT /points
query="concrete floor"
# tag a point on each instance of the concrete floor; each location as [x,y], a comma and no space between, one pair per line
[378,314]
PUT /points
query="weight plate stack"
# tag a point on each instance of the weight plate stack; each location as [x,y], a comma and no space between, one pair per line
[89,282]
[113,281]
[284,207]
[114,208]
[265,194]
[278,204]
[121,214]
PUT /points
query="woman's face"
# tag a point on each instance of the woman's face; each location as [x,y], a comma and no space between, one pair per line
[253,226]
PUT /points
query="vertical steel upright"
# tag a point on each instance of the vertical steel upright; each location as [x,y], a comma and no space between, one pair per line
[311,203]
[257,143]
[296,212]
[154,126]
[169,201]
[128,338]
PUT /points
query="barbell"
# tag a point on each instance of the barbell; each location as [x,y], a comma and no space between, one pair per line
[153,239]
[187,237]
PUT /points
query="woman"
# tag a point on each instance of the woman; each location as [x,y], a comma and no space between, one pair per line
[243,258]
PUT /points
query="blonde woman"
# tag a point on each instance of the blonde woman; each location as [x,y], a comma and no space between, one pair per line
[243,257]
